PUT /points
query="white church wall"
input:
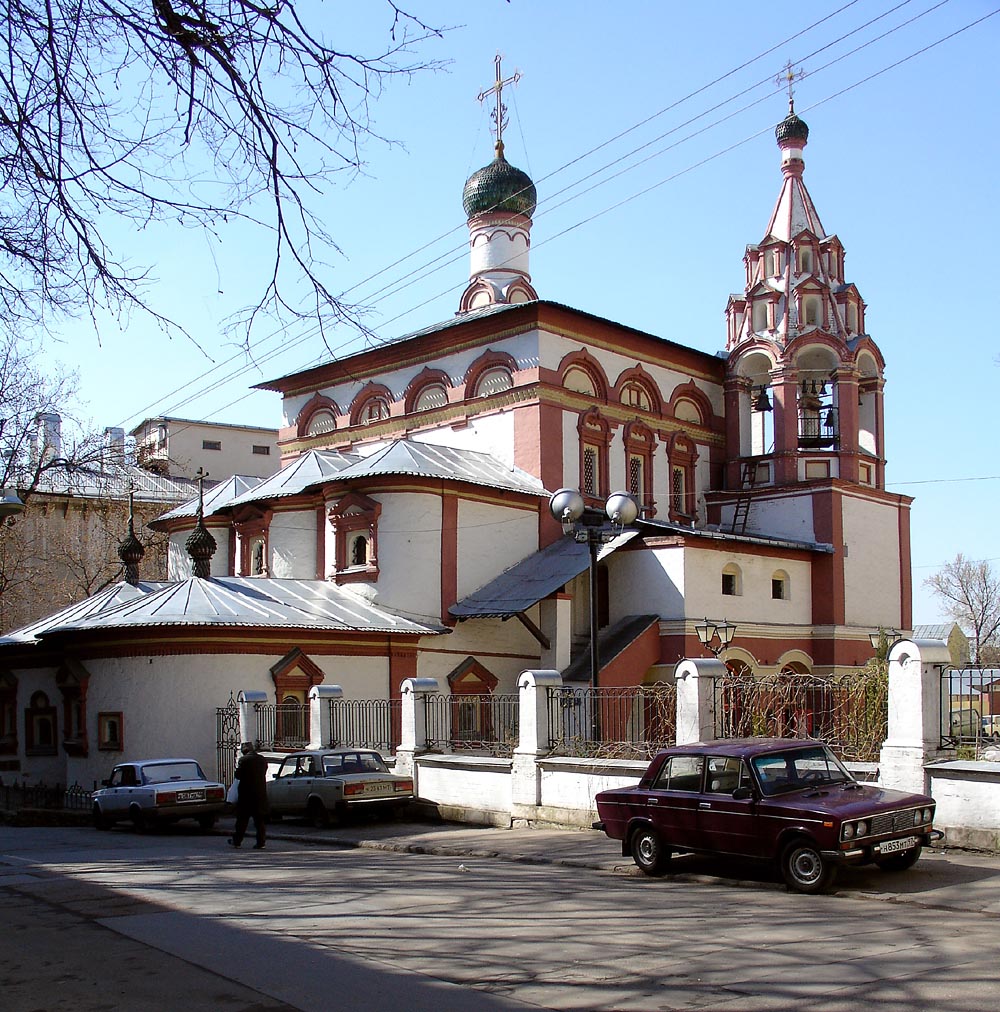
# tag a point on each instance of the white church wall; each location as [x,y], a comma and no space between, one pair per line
[492,434]
[647,582]
[292,543]
[790,517]
[872,563]
[409,553]
[481,528]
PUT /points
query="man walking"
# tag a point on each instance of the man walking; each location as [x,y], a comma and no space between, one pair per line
[251,799]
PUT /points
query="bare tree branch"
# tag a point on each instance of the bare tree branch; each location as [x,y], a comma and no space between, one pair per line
[193,111]
[971,595]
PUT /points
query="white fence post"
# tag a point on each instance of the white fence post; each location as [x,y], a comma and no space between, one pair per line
[915,668]
[695,678]
[534,735]
[248,718]
[413,723]
[320,728]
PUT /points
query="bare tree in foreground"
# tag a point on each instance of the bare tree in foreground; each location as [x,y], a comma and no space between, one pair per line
[971,595]
[196,111]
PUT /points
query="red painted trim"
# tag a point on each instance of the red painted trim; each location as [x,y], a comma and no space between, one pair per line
[449,555]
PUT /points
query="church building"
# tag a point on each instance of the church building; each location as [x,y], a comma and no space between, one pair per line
[408,532]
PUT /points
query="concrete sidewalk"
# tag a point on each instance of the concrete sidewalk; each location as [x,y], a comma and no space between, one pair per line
[944,877]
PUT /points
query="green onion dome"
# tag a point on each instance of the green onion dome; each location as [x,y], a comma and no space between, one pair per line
[499,187]
[791,128]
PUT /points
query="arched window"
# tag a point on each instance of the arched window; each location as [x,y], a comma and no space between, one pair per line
[732,581]
[321,422]
[812,310]
[779,585]
[805,260]
[579,381]
[595,436]
[359,551]
[40,726]
[639,446]
[494,380]
[759,315]
[434,395]
[683,457]
[375,409]
[354,521]
[635,395]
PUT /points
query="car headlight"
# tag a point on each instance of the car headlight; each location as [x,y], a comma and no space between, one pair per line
[928,815]
[862,829]
[848,831]
[917,817]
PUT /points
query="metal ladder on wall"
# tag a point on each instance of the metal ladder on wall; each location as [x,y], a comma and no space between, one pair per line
[741,514]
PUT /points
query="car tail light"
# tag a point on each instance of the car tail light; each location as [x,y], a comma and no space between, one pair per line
[215,793]
[404,785]
[354,788]
[166,797]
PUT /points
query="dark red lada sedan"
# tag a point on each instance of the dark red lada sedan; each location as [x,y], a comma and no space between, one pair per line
[779,799]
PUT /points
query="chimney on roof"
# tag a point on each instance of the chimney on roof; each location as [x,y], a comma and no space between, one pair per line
[46,438]
[114,445]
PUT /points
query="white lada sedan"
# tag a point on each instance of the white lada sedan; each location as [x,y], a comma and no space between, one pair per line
[322,783]
[158,791]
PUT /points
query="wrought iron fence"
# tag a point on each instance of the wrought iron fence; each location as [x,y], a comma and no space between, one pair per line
[970,709]
[619,723]
[282,725]
[227,739]
[366,723]
[14,797]
[468,722]
[849,712]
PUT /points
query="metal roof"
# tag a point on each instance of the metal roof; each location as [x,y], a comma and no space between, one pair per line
[218,497]
[313,468]
[249,602]
[526,583]
[430,460]
[111,480]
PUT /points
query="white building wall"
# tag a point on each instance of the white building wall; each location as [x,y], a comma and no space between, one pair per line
[647,582]
[789,517]
[481,528]
[179,564]
[872,565]
[505,649]
[492,434]
[409,554]
[292,543]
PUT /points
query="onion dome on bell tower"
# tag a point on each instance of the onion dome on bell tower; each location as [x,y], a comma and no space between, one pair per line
[499,200]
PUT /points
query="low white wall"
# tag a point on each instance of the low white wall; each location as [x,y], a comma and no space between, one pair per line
[474,789]
[968,802]
[568,787]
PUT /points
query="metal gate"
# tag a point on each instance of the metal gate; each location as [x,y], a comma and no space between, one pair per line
[227,739]
[970,707]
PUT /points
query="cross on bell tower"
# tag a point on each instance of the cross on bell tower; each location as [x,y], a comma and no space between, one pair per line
[789,77]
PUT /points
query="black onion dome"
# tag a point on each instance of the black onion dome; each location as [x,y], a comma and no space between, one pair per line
[200,544]
[130,550]
[791,128]
[499,187]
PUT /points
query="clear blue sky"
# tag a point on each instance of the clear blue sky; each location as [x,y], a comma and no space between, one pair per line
[902,164]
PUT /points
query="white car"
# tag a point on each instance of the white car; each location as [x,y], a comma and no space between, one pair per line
[158,791]
[325,782]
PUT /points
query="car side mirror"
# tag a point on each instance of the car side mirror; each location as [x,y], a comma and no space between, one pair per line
[743,794]
[106,782]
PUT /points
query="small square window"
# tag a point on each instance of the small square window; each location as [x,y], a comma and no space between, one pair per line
[729,584]
[778,590]
[211,444]
[263,451]
[110,732]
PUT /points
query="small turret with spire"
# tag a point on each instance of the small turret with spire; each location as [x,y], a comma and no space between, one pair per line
[200,543]
[130,550]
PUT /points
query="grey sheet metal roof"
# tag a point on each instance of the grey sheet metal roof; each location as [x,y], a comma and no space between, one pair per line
[250,602]
[216,498]
[113,481]
[313,468]
[108,599]
[429,460]
[526,583]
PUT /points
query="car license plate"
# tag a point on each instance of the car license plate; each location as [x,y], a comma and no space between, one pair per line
[190,795]
[893,846]
[378,789]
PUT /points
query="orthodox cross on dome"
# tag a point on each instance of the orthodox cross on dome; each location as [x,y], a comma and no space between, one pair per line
[201,474]
[499,114]
[789,77]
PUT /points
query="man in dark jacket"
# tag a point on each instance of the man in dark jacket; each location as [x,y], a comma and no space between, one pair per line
[251,799]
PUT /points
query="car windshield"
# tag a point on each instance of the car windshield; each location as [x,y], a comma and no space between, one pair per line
[353,762]
[798,768]
[164,773]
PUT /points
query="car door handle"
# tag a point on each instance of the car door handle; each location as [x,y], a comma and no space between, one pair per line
[704,804]
[652,801]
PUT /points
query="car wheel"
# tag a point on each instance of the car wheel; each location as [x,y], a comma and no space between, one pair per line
[101,821]
[900,862]
[139,820]
[206,823]
[317,814]
[804,868]
[649,853]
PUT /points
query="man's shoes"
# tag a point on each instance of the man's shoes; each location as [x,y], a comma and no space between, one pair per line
[258,846]
[233,843]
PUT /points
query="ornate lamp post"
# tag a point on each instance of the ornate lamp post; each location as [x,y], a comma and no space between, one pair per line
[588,525]
[10,503]
[709,632]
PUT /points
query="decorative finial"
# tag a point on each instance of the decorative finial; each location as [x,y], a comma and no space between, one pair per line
[130,551]
[200,543]
[499,114]
[789,77]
